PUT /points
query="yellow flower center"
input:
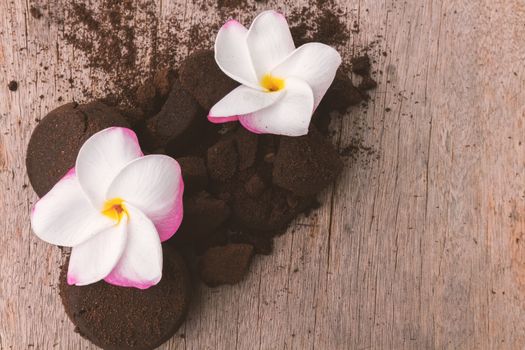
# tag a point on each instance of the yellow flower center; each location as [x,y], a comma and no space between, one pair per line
[271,83]
[114,209]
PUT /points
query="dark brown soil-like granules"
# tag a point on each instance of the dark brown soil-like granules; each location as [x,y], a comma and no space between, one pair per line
[107,37]
[194,173]
[200,76]
[56,140]
[13,85]
[203,215]
[306,165]
[321,24]
[368,83]
[129,318]
[361,65]
[126,41]
[331,28]
[177,121]
[225,265]
[231,3]
[241,189]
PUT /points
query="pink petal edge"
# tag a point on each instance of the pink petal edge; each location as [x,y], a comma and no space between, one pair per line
[231,23]
[71,280]
[280,15]
[174,220]
[124,282]
[246,124]
[220,120]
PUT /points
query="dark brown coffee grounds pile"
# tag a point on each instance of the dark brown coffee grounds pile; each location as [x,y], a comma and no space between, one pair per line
[241,189]
[240,181]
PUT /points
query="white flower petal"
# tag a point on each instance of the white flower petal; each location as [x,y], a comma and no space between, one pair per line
[154,185]
[101,157]
[269,41]
[244,100]
[289,116]
[140,265]
[94,259]
[65,217]
[314,63]
[232,55]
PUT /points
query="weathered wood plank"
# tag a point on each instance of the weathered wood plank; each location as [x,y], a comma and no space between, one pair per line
[420,245]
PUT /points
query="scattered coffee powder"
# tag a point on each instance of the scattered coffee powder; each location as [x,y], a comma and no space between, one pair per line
[231,3]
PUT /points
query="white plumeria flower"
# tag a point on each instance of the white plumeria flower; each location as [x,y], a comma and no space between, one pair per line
[281,85]
[114,208]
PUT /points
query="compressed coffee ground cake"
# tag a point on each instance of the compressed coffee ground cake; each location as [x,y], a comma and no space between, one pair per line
[56,140]
[118,318]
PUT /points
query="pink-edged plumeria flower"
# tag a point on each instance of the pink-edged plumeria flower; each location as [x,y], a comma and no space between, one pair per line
[281,85]
[114,208]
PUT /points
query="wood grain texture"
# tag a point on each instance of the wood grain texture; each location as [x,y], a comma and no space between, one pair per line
[419,246]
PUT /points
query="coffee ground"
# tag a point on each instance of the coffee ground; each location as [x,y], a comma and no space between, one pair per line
[35,12]
[56,140]
[119,318]
[13,85]
[242,189]
[226,264]
[124,39]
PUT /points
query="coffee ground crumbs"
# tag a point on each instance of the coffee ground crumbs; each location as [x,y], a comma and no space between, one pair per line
[13,85]
[35,12]
[225,265]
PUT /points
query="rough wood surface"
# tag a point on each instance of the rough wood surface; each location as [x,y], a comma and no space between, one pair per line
[420,245]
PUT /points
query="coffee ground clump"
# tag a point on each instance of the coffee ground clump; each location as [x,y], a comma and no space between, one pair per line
[118,318]
[200,76]
[361,65]
[35,12]
[13,85]
[56,140]
[241,189]
[225,265]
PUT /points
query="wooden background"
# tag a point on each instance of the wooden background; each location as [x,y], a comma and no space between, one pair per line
[420,245]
